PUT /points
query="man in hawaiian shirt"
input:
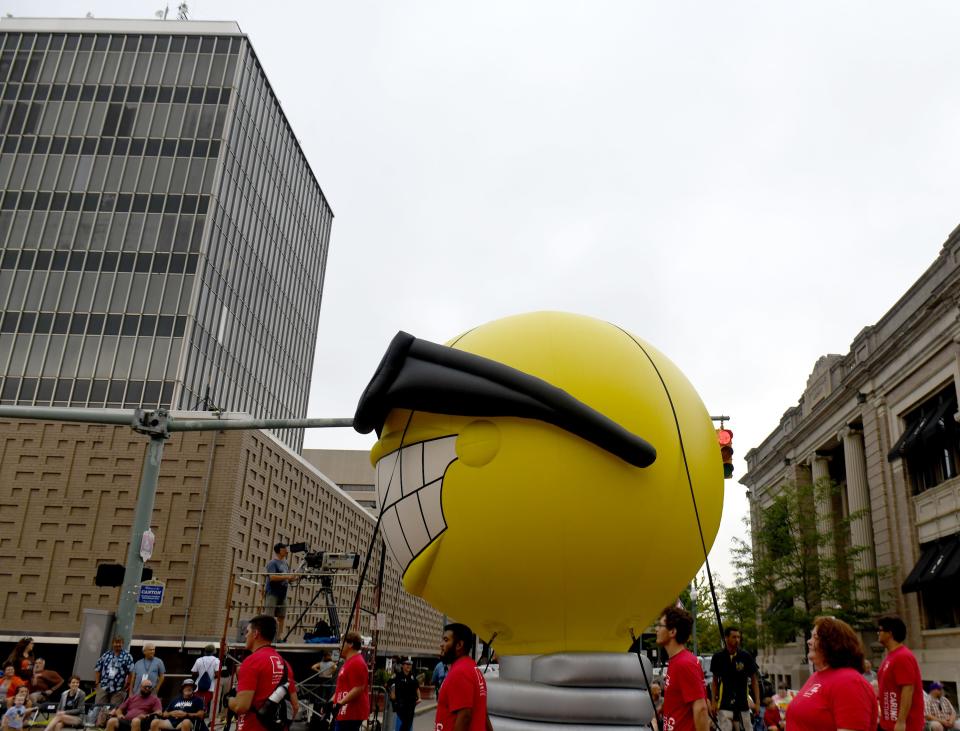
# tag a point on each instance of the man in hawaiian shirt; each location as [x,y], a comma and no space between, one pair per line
[114,671]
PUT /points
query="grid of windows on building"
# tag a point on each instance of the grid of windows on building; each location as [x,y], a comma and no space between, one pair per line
[163,237]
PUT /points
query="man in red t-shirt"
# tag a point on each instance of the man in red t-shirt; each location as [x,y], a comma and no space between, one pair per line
[684,690]
[462,704]
[898,680]
[352,695]
[260,674]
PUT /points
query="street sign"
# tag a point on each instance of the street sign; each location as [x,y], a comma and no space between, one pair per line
[150,595]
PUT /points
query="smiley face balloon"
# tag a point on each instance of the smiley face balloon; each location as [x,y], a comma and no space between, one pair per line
[532,475]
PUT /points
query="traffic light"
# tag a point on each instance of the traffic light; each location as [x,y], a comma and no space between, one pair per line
[111,574]
[725,440]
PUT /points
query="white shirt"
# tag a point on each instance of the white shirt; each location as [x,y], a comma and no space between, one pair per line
[206,664]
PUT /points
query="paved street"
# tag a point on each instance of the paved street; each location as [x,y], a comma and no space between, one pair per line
[424,721]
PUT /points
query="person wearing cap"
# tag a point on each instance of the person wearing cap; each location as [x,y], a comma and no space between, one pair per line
[184,713]
[938,711]
[275,588]
[206,667]
[404,695]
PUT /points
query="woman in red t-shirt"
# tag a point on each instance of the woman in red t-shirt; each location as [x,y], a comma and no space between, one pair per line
[836,696]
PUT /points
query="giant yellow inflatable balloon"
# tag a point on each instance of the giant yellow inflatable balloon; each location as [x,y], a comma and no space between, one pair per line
[533,478]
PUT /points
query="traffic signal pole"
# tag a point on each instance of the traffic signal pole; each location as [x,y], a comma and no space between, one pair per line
[158,425]
[155,428]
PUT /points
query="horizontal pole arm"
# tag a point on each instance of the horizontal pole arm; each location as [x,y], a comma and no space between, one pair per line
[125,417]
[175,424]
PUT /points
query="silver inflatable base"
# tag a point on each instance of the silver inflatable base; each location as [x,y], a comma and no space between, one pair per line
[584,691]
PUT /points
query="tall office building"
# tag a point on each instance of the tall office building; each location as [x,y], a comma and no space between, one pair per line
[162,234]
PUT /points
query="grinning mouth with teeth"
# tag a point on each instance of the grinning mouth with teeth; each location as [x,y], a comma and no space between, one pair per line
[409,481]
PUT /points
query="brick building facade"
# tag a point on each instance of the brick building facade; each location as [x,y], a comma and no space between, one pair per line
[67,496]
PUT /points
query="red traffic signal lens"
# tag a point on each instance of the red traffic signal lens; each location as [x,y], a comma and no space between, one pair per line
[724,437]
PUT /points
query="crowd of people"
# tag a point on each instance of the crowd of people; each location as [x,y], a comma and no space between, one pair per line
[125,695]
[461,701]
[27,682]
[843,693]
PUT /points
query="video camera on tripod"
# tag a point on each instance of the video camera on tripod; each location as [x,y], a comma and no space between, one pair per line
[323,565]
[325,561]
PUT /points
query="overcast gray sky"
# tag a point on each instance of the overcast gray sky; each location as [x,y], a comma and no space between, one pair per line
[745,185]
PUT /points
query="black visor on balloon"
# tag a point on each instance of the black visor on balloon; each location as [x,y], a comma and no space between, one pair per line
[423,376]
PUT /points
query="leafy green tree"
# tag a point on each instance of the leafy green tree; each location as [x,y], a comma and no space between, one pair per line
[708,636]
[791,583]
[740,609]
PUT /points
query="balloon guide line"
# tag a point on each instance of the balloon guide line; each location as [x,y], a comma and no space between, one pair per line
[686,465]
[373,537]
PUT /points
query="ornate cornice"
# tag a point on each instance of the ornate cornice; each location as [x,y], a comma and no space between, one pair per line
[846,382]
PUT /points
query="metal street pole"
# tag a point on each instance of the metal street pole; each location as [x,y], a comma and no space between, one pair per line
[133,572]
[693,611]
[157,425]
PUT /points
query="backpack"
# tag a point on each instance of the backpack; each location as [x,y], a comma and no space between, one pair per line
[204,682]
[275,714]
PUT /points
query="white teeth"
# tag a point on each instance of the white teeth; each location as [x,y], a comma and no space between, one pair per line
[412,523]
[390,525]
[437,456]
[409,484]
[385,467]
[411,468]
[430,505]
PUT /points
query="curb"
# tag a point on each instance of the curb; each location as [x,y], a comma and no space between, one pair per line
[424,707]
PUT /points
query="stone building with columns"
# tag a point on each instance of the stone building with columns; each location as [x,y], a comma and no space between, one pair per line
[881,423]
